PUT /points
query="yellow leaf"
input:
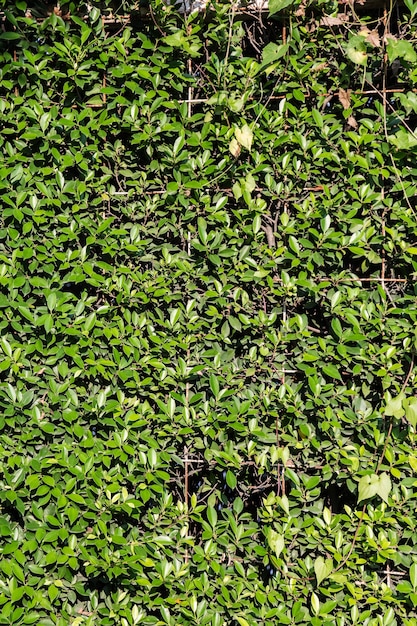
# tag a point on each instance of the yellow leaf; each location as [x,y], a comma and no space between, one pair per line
[234,147]
[244,136]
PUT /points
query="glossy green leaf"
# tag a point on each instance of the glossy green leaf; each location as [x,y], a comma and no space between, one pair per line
[322,568]
[278,5]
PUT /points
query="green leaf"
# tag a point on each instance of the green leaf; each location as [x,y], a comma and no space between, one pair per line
[214,385]
[118,540]
[411,6]
[212,516]
[413,575]
[278,5]
[401,49]
[231,479]
[51,301]
[202,230]
[403,140]
[7,349]
[315,603]
[394,407]
[275,541]
[356,50]
[384,486]
[177,39]
[273,52]
[410,407]
[9,35]
[53,592]
[408,101]
[368,487]
[374,484]
[90,322]
[322,568]
[332,371]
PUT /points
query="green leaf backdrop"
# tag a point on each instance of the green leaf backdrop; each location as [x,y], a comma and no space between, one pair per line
[208,258]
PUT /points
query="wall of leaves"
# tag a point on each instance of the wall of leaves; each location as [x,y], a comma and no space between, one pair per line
[208,258]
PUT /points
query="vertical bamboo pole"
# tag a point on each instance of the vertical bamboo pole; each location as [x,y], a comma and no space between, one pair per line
[384,105]
[104,99]
[190,94]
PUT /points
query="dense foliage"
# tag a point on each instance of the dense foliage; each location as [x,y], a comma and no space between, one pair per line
[208,261]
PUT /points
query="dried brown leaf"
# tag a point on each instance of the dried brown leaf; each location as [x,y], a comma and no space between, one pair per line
[373,39]
[344,98]
[301,9]
[328,20]
[352,122]
[371,36]
[235,148]
[319,67]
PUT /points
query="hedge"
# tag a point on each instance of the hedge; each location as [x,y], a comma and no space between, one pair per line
[208,261]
